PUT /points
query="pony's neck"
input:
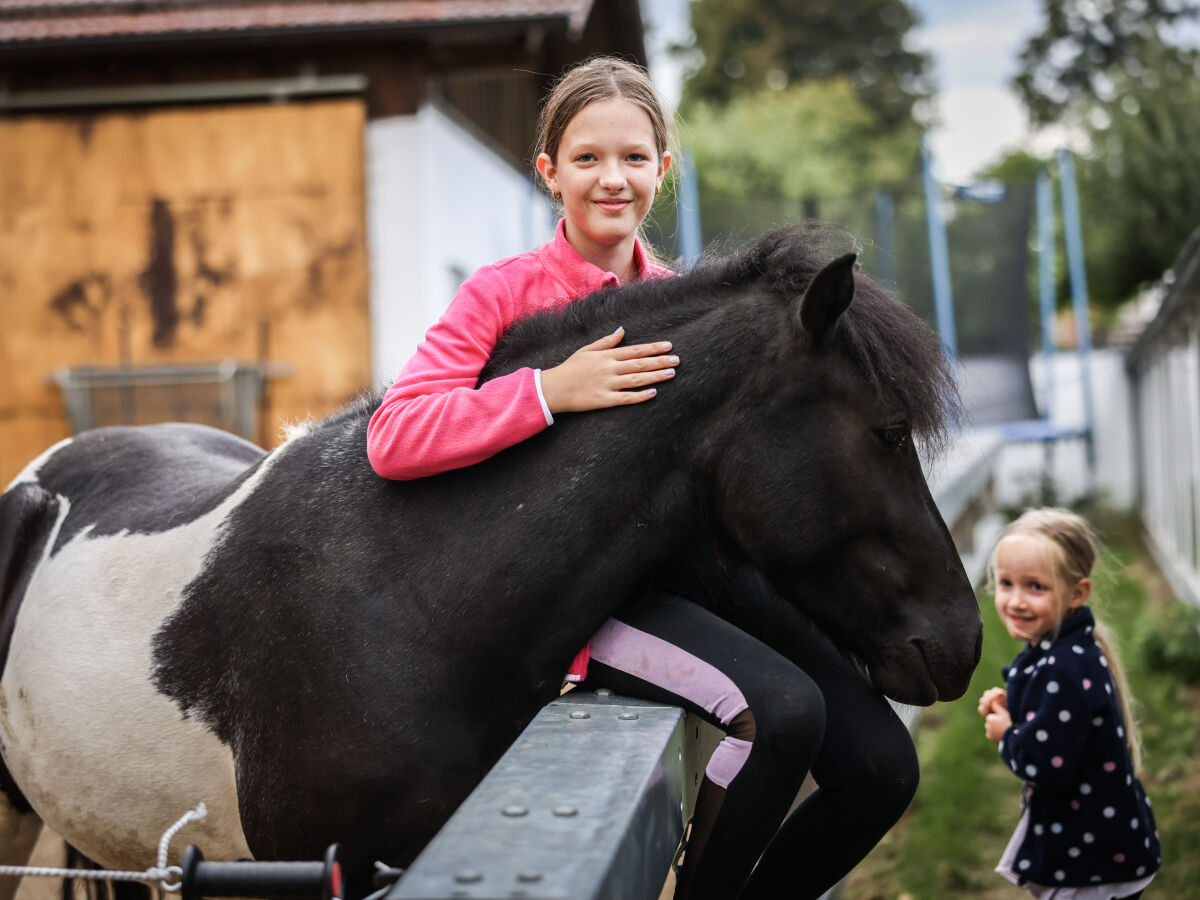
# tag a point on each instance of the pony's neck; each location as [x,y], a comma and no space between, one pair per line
[635,467]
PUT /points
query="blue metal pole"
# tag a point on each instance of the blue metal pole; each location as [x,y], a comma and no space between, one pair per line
[1045,242]
[885,238]
[1079,292]
[688,210]
[939,257]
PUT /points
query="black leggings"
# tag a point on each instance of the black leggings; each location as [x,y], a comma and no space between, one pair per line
[805,708]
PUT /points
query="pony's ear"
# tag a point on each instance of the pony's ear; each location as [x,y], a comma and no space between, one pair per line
[827,297]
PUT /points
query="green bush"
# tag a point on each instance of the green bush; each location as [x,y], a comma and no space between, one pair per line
[1169,642]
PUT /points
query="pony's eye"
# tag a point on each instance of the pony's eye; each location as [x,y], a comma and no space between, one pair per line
[894,436]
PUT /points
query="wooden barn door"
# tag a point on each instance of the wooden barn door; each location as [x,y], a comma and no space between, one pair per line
[179,236]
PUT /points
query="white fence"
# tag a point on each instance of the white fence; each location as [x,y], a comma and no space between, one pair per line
[1164,370]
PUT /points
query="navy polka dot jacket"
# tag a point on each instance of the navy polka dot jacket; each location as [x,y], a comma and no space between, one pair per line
[1089,819]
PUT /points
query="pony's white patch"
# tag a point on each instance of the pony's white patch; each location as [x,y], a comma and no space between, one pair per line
[29,473]
[104,758]
[292,430]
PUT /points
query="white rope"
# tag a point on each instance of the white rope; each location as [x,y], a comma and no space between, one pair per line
[162,873]
[154,874]
[192,815]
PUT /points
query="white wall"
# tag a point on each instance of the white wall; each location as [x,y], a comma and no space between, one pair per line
[1021,465]
[440,204]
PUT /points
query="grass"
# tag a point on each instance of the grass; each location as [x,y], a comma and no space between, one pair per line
[949,841]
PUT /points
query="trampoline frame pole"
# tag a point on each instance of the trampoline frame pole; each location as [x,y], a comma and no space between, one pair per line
[1044,197]
[939,257]
[1079,294]
[688,210]
[1044,188]
[885,238]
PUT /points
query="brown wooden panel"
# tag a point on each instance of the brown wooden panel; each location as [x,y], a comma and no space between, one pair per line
[182,235]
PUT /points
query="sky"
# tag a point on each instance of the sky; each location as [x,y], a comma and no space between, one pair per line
[974,45]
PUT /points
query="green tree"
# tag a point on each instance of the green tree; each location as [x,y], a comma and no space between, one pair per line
[811,150]
[1086,44]
[748,45]
[1107,68]
[1140,185]
[1139,180]
[1017,166]
[810,139]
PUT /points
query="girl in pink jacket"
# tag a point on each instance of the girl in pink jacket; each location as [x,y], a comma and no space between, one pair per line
[603,155]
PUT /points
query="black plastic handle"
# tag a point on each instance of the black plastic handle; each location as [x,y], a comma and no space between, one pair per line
[261,879]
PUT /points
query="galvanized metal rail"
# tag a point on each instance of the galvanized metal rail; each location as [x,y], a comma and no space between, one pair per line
[588,803]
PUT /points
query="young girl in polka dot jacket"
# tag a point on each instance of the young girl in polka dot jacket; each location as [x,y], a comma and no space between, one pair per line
[1064,724]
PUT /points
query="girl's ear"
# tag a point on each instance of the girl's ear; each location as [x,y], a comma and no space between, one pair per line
[1080,593]
[547,169]
[664,163]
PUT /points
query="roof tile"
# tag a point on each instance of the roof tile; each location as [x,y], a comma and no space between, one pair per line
[65,20]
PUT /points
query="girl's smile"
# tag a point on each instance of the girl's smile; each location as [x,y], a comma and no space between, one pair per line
[1027,600]
[607,170]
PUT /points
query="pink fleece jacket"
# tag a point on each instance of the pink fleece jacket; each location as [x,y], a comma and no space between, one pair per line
[433,418]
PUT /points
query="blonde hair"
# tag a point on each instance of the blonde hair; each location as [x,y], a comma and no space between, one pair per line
[1071,549]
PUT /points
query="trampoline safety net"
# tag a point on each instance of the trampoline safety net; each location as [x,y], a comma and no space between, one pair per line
[989,240]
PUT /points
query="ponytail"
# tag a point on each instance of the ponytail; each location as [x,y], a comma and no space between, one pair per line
[1133,737]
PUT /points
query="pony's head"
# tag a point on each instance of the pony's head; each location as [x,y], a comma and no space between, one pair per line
[813,467]
[802,392]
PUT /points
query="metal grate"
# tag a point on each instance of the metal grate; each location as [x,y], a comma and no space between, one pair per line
[226,395]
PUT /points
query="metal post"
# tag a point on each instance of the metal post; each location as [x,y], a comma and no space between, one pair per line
[1045,238]
[1079,296]
[688,210]
[939,257]
[885,238]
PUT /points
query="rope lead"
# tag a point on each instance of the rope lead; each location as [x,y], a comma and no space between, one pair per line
[162,873]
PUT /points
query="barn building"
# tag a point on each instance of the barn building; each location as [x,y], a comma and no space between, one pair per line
[248,211]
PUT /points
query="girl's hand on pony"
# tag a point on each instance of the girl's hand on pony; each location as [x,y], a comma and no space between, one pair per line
[603,374]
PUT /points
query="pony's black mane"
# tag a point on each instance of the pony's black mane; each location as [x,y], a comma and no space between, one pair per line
[896,351]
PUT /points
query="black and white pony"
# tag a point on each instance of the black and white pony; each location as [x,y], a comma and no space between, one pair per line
[322,655]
